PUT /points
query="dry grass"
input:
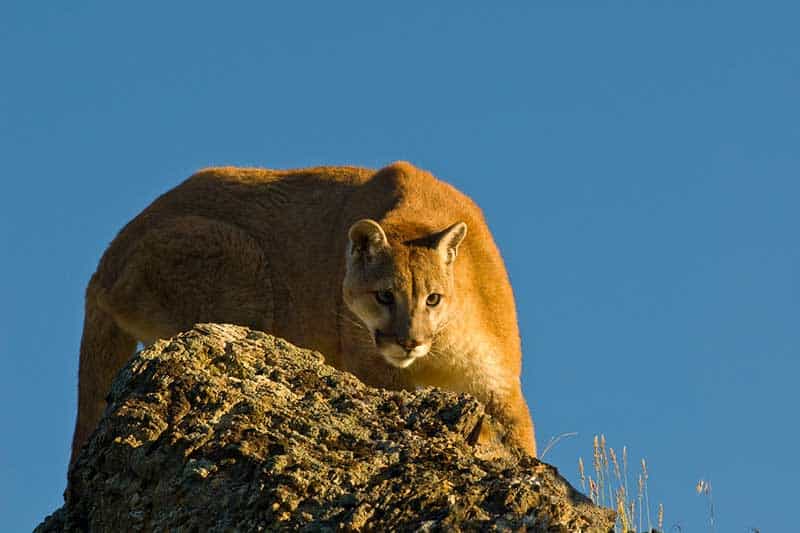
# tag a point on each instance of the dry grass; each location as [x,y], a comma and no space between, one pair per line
[609,487]
[704,489]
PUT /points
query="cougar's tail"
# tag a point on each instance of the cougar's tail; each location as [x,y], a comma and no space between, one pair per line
[105,348]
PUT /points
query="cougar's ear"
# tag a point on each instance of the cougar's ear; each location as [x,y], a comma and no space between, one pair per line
[448,241]
[366,239]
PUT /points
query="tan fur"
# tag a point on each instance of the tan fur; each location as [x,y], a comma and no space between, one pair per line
[301,254]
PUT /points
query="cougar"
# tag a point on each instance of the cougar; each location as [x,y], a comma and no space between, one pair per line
[393,275]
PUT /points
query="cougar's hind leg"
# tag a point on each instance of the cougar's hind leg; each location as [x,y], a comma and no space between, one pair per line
[187,270]
[105,348]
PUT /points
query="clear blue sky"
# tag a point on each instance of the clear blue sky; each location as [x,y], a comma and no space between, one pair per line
[639,167]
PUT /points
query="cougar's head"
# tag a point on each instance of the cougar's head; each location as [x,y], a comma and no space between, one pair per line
[401,291]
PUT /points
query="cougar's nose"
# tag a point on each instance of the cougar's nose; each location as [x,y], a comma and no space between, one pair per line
[409,344]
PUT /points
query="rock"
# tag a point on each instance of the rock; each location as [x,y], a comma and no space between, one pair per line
[223,428]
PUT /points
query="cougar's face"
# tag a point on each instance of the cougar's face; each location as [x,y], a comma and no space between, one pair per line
[401,293]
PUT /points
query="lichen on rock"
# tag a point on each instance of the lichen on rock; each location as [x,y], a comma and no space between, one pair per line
[224,428]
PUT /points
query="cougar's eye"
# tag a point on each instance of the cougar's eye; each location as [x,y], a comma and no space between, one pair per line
[384,297]
[433,299]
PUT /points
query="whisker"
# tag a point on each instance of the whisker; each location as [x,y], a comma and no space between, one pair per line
[444,326]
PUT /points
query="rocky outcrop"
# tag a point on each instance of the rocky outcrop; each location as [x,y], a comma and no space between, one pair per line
[225,429]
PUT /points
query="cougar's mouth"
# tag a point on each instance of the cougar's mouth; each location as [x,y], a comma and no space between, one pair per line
[397,360]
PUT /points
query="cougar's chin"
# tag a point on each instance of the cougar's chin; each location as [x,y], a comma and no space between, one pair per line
[399,362]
